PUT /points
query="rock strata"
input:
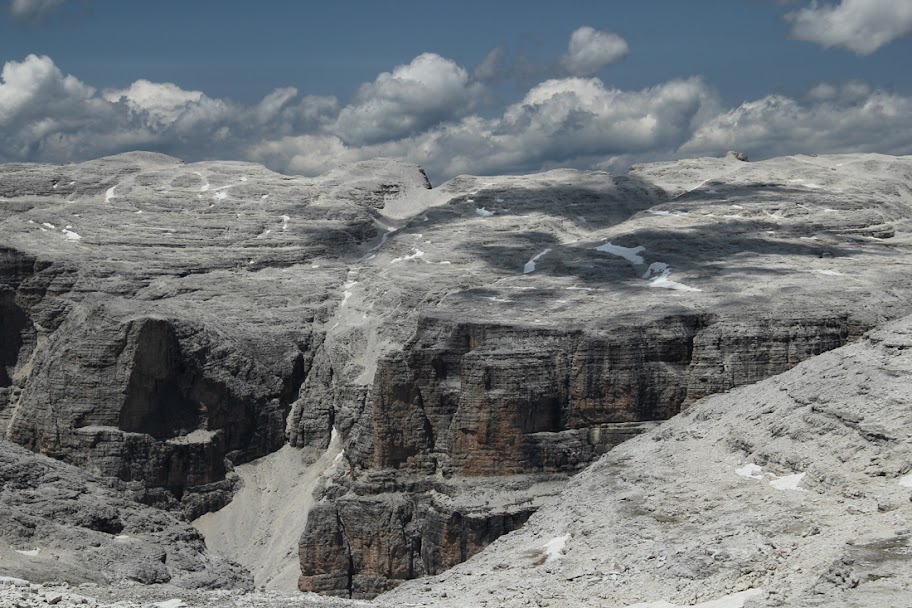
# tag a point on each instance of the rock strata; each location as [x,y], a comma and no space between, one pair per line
[163,323]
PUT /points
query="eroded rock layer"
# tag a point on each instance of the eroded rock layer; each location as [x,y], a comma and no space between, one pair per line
[473,345]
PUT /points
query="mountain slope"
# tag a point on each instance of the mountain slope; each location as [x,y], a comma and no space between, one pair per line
[796,489]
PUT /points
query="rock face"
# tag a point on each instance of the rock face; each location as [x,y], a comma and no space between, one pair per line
[791,492]
[62,524]
[474,345]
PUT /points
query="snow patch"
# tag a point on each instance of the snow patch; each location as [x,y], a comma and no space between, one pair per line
[554,548]
[175,603]
[663,271]
[495,299]
[285,219]
[789,482]
[109,194]
[122,538]
[631,254]
[530,265]
[28,552]
[220,196]
[70,235]
[483,212]
[832,273]
[735,600]
[243,179]
[416,253]
[49,225]
[906,481]
[664,213]
[750,471]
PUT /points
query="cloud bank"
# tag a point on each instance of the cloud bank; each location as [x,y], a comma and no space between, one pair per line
[438,114]
[862,26]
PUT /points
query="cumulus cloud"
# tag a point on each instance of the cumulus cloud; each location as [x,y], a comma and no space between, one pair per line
[847,118]
[862,26]
[409,99]
[590,51]
[46,115]
[33,11]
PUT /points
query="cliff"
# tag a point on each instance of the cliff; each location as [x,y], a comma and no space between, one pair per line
[473,345]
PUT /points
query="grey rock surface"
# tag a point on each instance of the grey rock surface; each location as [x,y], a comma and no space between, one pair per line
[61,524]
[791,492]
[163,323]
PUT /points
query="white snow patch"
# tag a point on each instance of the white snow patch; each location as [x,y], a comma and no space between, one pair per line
[109,194]
[655,268]
[265,196]
[483,212]
[664,213]
[470,200]
[750,471]
[495,299]
[175,603]
[832,273]
[71,183]
[220,196]
[735,600]
[417,253]
[575,288]
[662,280]
[285,219]
[345,296]
[828,210]
[906,481]
[498,200]
[554,548]
[54,186]
[265,234]
[631,254]
[122,538]
[789,482]
[49,225]
[29,552]
[813,186]
[530,265]
[243,179]
[445,262]
[70,235]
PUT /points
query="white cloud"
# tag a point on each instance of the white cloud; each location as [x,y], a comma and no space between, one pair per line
[848,118]
[33,11]
[862,26]
[46,115]
[411,98]
[591,51]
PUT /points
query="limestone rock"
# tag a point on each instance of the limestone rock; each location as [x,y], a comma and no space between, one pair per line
[162,323]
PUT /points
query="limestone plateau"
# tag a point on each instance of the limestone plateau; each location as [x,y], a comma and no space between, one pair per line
[350,381]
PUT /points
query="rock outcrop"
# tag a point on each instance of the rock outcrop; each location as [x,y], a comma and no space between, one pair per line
[474,345]
[62,524]
[791,492]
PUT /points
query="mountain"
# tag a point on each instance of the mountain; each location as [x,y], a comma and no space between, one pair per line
[407,373]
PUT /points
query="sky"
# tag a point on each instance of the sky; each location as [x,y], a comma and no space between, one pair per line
[492,87]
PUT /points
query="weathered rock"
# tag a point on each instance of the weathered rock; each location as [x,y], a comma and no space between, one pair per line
[163,322]
[63,524]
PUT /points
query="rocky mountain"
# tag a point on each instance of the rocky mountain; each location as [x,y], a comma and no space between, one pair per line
[791,492]
[188,328]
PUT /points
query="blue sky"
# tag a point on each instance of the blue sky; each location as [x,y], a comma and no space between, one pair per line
[475,87]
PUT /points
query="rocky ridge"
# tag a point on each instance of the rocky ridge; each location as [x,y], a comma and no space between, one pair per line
[473,345]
